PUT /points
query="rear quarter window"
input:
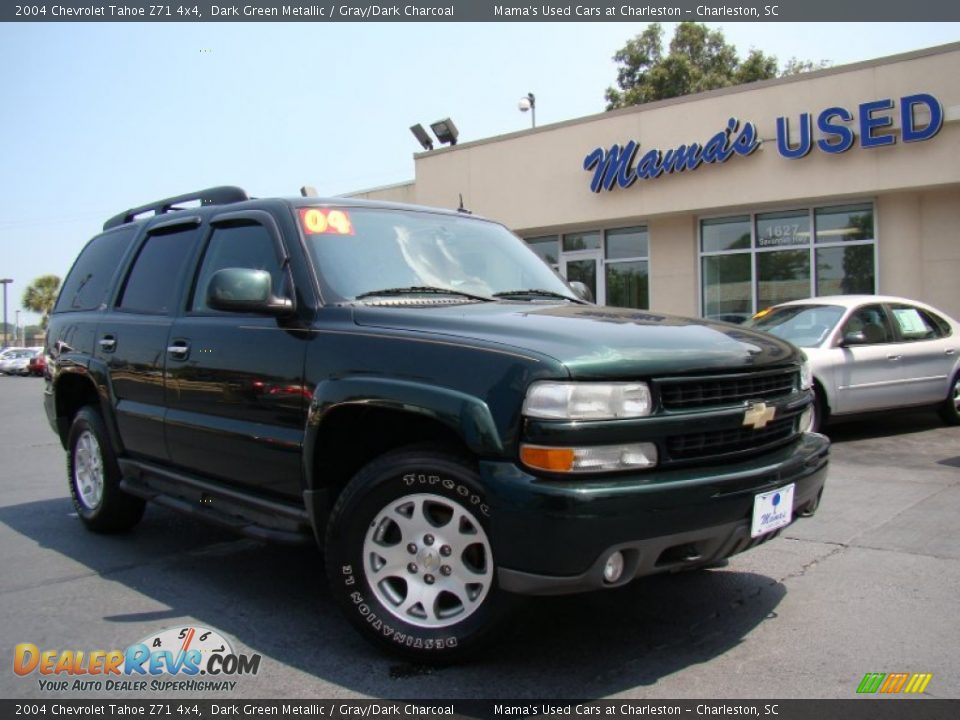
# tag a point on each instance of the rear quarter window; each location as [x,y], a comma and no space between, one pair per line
[89,279]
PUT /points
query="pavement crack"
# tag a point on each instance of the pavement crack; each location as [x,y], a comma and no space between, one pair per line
[806,567]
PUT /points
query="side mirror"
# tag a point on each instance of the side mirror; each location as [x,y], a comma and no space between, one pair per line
[857,337]
[582,290]
[245,290]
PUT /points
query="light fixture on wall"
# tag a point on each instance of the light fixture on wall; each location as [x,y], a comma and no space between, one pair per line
[421,135]
[529,102]
[445,131]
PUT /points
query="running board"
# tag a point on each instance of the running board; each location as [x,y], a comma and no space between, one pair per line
[252,516]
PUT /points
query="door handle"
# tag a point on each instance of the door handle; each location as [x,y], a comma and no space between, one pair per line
[951,351]
[179,350]
[894,358]
[108,343]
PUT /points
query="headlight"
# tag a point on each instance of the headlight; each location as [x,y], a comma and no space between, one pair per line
[806,375]
[587,401]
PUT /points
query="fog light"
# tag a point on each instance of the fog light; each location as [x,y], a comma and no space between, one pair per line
[806,420]
[613,568]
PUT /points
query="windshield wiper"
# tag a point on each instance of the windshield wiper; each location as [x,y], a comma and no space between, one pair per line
[536,292]
[421,290]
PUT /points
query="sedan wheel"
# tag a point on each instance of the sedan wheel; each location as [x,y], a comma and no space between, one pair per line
[950,409]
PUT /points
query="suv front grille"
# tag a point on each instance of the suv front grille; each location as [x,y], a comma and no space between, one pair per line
[699,392]
[714,443]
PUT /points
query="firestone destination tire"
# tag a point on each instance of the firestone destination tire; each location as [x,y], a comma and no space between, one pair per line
[94,477]
[409,556]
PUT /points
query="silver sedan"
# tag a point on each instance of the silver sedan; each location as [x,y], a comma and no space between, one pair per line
[872,352]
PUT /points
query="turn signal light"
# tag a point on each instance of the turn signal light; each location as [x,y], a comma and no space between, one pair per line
[547,458]
[594,458]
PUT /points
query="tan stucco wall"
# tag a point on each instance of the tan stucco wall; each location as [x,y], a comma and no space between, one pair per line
[533,181]
[673,265]
[402,193]
[919,236]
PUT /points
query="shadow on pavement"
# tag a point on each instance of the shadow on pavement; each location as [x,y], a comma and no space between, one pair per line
[274,600]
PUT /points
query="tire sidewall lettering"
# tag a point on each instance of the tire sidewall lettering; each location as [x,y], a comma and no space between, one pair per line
[463,492]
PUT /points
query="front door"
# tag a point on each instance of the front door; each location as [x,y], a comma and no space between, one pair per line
[236,404]
[585,267]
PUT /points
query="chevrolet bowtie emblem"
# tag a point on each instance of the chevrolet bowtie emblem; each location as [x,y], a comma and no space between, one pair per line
[758,415]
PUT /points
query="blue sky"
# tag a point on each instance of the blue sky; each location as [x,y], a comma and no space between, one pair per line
[98,117]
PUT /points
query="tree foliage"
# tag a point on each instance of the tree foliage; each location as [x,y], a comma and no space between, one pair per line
[40,296]
[699,59]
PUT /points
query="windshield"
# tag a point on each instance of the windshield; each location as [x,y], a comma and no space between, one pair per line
[803,325]
[396,249]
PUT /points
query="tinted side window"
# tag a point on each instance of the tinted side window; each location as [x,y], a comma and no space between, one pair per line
[914,324]
[237,246]
[873,322]
[154,280]
[86,286]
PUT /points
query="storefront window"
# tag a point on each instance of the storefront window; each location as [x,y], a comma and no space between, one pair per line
[749,262]
[547,247]
[581,241]
[627,268]
[781,276]
[783,228]
[845,270]
[727,287]
[845,223]
[627,243]
[628,284]
[721,234]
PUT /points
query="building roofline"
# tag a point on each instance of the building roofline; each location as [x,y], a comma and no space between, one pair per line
[719,92]
[379,188]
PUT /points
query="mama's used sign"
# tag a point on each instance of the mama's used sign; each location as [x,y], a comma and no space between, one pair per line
[622,165]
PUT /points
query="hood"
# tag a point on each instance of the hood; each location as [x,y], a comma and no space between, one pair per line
[593,341]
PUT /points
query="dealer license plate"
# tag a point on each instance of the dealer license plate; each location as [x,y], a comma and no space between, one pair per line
[772,510]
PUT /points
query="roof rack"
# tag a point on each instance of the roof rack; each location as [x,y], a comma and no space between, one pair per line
[223,195]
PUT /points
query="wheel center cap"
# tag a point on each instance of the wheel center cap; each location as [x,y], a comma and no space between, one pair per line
[430,559]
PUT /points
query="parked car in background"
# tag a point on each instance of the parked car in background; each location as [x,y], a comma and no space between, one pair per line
[16,361]
[872,352]
[37,364]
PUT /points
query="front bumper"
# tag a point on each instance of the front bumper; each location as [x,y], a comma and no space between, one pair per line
[553,536]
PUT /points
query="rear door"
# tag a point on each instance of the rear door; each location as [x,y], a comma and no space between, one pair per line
[927,357]
[235,395]
[132,339]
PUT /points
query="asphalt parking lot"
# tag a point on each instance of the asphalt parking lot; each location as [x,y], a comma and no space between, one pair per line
[868,585]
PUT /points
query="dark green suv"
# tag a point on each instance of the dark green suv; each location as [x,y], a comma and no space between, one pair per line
[419,393]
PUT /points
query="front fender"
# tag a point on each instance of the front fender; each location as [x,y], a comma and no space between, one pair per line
[466,415]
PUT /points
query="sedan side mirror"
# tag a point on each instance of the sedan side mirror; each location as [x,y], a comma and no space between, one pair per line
[856,337]
[245,290]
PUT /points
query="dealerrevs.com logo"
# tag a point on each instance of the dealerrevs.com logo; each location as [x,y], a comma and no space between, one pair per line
[176,659]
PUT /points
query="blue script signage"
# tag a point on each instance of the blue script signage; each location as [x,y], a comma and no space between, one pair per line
[616,165]
[619,166]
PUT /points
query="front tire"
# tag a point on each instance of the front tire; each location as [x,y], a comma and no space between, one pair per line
[409,556]
[950,408]
[94,477]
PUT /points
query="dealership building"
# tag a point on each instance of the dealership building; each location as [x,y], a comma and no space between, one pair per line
[844,180]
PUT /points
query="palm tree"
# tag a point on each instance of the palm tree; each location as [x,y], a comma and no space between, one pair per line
[40,296]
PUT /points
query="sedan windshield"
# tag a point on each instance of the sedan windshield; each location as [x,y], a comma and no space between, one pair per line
[393,252]
[803,325]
